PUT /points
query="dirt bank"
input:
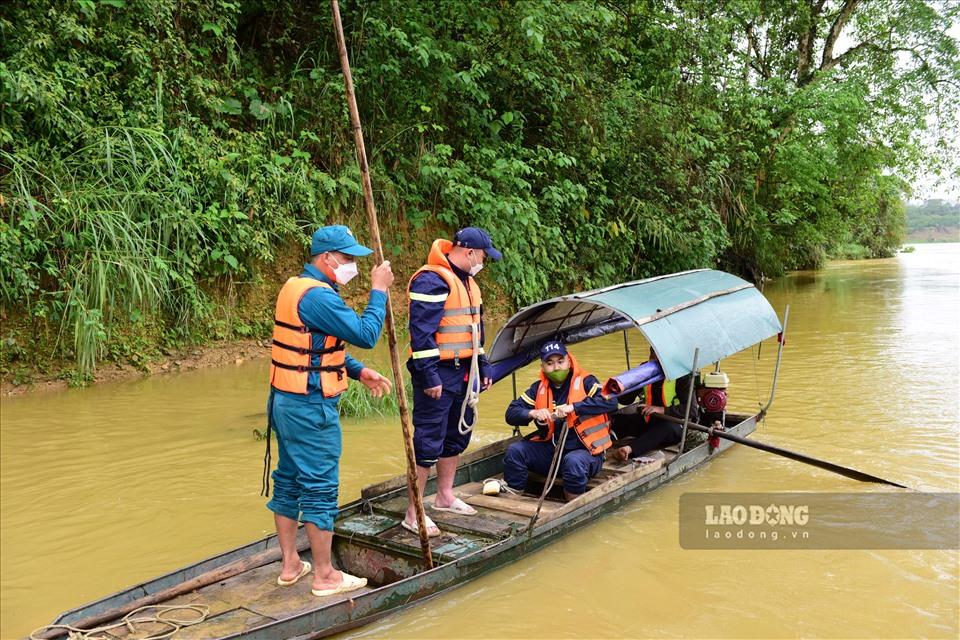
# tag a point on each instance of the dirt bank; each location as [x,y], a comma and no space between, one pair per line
[218,354]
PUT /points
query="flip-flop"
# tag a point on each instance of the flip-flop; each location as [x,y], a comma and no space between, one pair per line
[305,568]
[432,529]
[349,583]
[459,507]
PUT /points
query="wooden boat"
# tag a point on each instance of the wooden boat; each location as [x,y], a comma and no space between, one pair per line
[239,588]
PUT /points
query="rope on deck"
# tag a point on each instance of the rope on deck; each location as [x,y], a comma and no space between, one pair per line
[131,620]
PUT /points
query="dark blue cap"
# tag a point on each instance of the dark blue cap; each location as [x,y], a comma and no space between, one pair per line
[552,348]
[476,238]
[337,238]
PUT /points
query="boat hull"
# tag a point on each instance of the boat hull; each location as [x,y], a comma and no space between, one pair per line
[394,565]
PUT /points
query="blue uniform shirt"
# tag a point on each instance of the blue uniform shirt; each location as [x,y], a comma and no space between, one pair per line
[518,413]
[425,320]
[325,313]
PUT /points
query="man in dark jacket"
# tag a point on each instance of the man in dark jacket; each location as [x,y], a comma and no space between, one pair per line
[563,390]
[642,431]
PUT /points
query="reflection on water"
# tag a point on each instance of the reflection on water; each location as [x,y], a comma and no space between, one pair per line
[108,486]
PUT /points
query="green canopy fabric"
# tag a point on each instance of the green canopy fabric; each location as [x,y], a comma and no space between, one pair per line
[714,311]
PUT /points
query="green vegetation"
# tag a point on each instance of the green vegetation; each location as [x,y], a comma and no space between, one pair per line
[160,158]
[356,402]
[933,221]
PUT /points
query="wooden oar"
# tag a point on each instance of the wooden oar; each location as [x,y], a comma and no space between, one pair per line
[219,574]
[786,453]
[378,249]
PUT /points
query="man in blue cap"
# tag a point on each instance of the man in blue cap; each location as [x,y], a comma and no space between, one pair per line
[446,362]
[564,392]
[309,370]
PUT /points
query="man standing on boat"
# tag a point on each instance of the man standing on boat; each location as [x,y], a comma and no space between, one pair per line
[308,372]
[446,362]
[563,392]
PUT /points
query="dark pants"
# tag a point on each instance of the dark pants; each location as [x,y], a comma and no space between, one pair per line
[436,432]
[576,467]
[647,436]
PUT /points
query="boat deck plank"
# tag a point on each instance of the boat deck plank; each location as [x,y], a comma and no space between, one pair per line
[487,523]
[249,599]
[506,505]
[215,608]
[523,506]
[257,590]
[233,621]
[447,546]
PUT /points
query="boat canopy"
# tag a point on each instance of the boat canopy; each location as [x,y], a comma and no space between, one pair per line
[714,311]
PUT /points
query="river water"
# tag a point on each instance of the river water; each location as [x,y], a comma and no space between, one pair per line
[108,486]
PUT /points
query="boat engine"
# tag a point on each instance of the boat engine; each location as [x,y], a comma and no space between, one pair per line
[713,401]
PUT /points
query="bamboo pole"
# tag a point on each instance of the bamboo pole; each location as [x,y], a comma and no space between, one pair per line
[378,252]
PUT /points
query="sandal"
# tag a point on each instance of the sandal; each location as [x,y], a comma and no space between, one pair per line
[305,568]
[458,507]
[432,529]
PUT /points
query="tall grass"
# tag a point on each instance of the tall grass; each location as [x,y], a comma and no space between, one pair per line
[111,223]
[356,402]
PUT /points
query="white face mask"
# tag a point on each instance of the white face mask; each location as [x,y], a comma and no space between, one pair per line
[475,268]
[344,273]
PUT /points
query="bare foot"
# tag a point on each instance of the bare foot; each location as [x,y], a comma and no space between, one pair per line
[290,572]
[331,580]
[444,501]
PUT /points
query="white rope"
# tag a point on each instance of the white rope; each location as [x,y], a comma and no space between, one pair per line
[472,397]
[130,621]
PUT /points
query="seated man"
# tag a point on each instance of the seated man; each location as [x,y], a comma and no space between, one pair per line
[643,431]
[564,391]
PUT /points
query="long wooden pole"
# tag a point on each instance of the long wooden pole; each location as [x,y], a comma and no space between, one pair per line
[786,453]
[378,252]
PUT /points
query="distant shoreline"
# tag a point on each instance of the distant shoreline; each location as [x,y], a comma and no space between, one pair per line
[934,236]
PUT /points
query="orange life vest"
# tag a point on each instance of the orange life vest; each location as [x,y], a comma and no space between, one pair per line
[293,345]
[461,308]
[594,431]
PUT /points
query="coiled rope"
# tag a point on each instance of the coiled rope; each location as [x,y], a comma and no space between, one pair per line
[472,397]
[131,620]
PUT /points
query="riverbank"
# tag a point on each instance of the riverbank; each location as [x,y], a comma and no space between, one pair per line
[58,375]
[219,354]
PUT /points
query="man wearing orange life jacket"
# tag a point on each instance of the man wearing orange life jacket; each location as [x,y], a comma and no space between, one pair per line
[309,370]
[446,322]
[563,392]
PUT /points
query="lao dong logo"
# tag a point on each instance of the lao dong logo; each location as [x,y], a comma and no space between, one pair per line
[772,515]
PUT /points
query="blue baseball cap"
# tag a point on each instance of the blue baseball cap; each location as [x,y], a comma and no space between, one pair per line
[552,348]
[476,238]
[337,238]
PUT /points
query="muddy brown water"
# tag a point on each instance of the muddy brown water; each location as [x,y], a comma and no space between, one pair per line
[112,485]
